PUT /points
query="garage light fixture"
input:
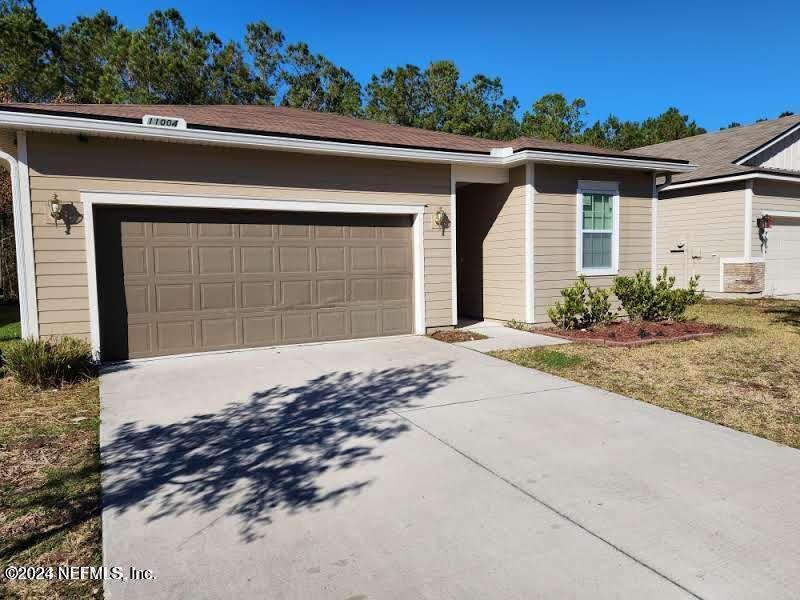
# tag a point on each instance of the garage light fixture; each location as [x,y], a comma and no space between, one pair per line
[56,209]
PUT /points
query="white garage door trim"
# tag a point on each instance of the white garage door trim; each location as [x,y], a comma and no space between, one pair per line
[89,199]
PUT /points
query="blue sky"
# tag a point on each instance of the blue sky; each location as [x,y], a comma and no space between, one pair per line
[719,61]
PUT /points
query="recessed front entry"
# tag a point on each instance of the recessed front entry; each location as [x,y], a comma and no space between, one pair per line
[174,281]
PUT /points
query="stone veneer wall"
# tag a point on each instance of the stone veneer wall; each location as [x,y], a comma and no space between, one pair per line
[744,278]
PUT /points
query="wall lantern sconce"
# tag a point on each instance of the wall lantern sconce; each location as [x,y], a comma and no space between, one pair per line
[56,209]
[66,213]
[441,220]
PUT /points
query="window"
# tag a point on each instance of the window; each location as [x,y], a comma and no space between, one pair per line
[597,228]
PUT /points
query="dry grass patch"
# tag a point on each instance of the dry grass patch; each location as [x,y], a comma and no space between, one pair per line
[748,379]
[50,484]
[453,336]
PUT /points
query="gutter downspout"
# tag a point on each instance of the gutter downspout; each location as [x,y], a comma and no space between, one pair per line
[23,240]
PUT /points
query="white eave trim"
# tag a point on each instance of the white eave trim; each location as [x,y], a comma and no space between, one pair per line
[541,156]
[729,179]
[70,124]
[768,145]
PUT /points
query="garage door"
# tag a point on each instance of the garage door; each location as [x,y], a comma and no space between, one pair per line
[176,281]
[783,257]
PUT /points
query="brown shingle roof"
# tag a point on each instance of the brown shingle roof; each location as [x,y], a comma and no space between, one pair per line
[296,123]
[529,143]
[715,153]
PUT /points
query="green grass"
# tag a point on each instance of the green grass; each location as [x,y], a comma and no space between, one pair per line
[552,360]
[747,379]
[50,490]
[10,328]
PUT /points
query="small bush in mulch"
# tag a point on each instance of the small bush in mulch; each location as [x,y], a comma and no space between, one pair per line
[453,336]
[638,333]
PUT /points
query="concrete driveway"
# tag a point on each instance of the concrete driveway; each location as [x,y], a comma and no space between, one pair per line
[409,468]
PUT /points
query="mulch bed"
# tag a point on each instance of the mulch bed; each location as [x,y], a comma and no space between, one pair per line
[453,336]
[638,333]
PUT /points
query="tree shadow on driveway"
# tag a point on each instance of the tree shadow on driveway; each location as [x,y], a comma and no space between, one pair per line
[266,453]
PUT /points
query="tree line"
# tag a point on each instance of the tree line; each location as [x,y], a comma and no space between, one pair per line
[96,59]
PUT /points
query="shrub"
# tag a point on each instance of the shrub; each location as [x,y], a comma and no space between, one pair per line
[515,324]
[45,363]
[582,307]
[644,301]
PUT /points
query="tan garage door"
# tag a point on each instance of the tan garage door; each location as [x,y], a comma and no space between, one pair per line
[172,281]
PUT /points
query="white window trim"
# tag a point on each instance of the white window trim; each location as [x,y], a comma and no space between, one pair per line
[596,187]
[90,199]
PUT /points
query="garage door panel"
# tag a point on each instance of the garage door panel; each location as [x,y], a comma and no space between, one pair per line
[215,260]
[258,294]
[133,231]
[364,259]
[139,339]
[330,259]
[256,231]
[331,291]
[395,259]
[257,259]
[330,232]
[395,320]
[296,293]
[260,330]
[332,324]
[174,298]
[217,333]
[175,336]
[365,323]
[783,257]
[168,231]
[180,280]
[397,290]
[215,231]
[297,327]
[294,259]
[134,261]
[364,290]
[294,232]
[220,296]
[364,233]
[172,260]
[137,298]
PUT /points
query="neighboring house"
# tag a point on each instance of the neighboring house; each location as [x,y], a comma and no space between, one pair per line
[222,227]
[708,220]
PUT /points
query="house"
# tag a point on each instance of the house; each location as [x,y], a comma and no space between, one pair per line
[735,220]
[159,230]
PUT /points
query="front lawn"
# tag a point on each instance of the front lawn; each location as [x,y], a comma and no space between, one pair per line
[748,379]
[9,324]
[49,485]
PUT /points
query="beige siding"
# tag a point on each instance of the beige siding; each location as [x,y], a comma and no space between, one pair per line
[555,243]
[492,252]
[64,165]
[783,155]
[771,196]
[710,220]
